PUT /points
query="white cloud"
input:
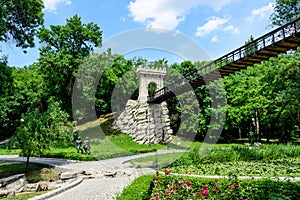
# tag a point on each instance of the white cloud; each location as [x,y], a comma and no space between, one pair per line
[262,13]
[51,5]
[215,39]
[234,30]
[167,14]
[213,24]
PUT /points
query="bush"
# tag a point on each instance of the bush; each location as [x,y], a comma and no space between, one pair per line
[141,188]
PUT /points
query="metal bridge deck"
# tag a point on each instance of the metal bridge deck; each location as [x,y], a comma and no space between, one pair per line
[280,40]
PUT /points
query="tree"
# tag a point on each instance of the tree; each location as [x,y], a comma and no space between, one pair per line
[24,90]
[285,11]
[64,49]
[42,130]
[19,20]
[6,80]
[268,92]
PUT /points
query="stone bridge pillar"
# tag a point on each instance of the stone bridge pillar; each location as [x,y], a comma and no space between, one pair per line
[146,123]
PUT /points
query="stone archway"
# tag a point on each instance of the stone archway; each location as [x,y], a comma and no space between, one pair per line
[146,123]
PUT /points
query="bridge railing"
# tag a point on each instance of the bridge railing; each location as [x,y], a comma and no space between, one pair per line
[274,37]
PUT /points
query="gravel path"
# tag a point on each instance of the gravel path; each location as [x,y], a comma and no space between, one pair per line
[99,188]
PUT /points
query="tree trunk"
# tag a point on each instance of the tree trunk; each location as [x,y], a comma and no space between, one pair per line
[257,125]
[27,162]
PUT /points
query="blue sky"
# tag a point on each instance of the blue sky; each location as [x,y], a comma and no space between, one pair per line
[218,26]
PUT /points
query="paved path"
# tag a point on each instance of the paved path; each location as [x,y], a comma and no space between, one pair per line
[100,188]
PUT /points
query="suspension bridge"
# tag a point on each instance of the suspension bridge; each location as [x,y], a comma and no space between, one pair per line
[280,40]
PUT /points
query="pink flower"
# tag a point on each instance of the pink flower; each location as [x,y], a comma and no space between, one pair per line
[181,182]
[166,192]
[229,187]
[204,192]
[155,181]
[157,196]
[167,172]
[188,188]
[175,191]
[235,184]
[188,182]
[215,190]
[206,187]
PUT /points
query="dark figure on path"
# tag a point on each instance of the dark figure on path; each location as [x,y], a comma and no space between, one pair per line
[86,146]
[79,145]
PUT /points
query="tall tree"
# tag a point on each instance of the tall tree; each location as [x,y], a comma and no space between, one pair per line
[63,50]
[285,11]
[19,21]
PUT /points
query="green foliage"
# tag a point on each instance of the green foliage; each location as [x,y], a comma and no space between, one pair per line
[6,80]
[42,130]
[63,50]
[20,20]
[285,11]
[270,92]
[25,93]
[266,160]
[139,189]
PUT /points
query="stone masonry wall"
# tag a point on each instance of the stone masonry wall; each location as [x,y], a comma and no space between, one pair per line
[134,121]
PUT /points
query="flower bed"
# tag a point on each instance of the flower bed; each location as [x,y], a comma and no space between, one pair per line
[175,187]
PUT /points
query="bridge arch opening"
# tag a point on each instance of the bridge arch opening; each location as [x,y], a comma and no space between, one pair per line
[152,87]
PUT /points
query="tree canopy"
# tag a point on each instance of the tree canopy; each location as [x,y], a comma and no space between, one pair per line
[285,11]
[64,49]
[20,20]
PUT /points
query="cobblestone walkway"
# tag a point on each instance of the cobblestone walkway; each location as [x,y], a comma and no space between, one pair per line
[99,188]
[95,189]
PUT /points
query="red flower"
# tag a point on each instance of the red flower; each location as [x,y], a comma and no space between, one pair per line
[229,187]
[215,190]
[157,196]
[188,182]
[206,187]
[235,184]
[167,172]
[177,187]
[166,192]
[204,192]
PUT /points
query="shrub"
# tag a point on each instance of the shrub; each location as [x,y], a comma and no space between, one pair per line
[141,188]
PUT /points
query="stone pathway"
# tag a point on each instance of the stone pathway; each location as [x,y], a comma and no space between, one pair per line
[99,188]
